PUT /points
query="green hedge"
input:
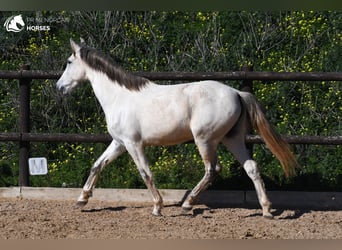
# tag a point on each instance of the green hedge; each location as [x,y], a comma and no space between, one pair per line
[286,41]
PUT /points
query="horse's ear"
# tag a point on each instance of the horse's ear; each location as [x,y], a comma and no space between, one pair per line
[82,42]
[74,46]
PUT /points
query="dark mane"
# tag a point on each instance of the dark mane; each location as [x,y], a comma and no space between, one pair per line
[105,64]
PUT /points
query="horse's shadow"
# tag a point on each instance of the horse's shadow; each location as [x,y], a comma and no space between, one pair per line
[111,209]
[278,212]
[193,213]
[296,215]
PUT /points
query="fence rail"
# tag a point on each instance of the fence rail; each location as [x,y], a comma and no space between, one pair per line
[106,138]
[180,76]
[246,75]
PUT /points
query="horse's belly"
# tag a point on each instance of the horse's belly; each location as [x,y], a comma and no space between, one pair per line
[166,136]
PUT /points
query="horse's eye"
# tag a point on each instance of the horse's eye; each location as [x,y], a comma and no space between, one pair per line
[64,66]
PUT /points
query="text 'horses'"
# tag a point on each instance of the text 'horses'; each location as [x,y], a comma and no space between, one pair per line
[141,113]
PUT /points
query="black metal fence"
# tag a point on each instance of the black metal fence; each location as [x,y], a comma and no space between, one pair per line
[246,75]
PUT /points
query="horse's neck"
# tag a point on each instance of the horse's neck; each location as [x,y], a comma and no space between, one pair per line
[105,90]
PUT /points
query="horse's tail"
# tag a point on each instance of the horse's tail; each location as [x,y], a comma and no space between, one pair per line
[279,147]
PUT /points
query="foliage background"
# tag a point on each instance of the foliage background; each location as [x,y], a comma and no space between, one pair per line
[285,41]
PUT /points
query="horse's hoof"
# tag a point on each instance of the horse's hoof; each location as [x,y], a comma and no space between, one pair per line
[268,216]
[81,204]
[185,210]
[156,213]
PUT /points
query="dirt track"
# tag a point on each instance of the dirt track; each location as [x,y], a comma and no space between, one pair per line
[38,219]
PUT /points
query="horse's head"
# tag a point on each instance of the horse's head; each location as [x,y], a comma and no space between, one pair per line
[74,71]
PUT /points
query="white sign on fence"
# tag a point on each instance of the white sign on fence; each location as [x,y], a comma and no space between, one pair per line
[38,166]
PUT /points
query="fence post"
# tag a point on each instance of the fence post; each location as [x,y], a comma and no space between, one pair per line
[247,85]
[24,127]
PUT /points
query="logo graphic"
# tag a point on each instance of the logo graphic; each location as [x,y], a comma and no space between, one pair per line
[14,23]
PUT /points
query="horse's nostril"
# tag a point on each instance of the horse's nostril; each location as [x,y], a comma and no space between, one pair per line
[61,89]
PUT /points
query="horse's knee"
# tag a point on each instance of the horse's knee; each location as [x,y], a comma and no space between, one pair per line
[95,170]
[251,169]
[98,166]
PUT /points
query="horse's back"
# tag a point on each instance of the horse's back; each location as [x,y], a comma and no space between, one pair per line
[213,95]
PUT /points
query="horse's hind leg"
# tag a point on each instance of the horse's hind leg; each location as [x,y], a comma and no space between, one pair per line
[111,153]
[238,148]
[212,167]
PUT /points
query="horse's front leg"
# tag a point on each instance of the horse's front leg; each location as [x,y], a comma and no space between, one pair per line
[111,153]
[137,152]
